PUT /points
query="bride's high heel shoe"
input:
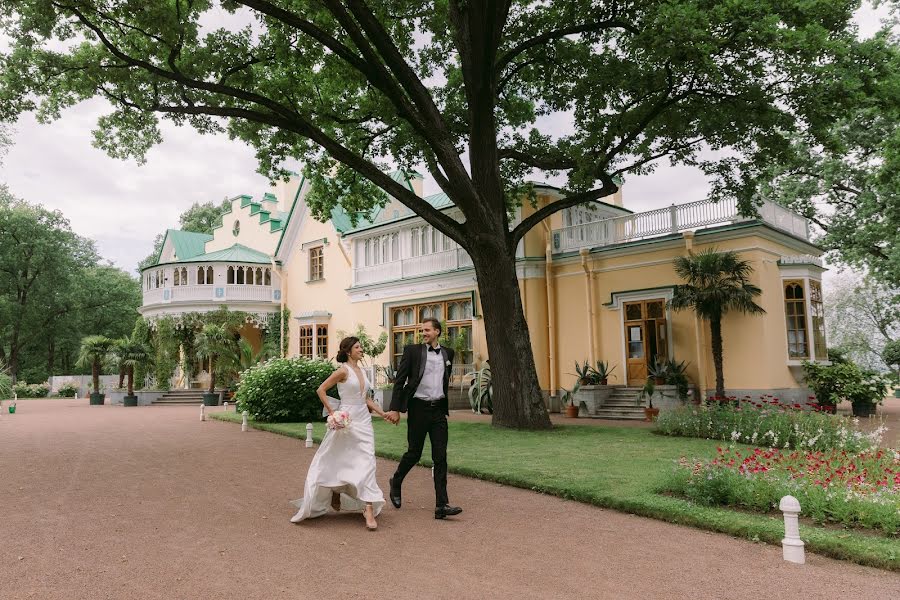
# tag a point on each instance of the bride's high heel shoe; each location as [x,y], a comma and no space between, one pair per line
[369,513]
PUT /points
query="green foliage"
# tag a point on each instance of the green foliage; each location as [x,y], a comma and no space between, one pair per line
[676,374]
[67,390]
[481,391]
[31,390]
[603,370]
[216,343]
[141,333]
[588,375]
[647,392]
[6,386]
[370,346]
[863,315]
[568,396]
[850,489]
[658,368]
[199,218]
[844,381]
[165,352]
[777,426]
[283,389]
[95,352]
[54,291]
[891,353]
[272,334]
[132,353]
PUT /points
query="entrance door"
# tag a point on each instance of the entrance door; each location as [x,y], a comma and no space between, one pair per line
[646,337]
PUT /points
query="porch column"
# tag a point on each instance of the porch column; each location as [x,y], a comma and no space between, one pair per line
[589,288]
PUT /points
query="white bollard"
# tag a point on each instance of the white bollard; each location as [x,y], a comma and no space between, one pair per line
[245,414]
[76,394]
[792,545]
[309,435]
[225,404]
[202,412]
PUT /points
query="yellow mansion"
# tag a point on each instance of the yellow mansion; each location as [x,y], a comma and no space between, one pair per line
[594,282]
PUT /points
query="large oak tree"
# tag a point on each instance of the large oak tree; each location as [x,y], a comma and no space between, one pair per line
[472,91]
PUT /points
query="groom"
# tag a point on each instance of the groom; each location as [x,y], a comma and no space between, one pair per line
[421,387]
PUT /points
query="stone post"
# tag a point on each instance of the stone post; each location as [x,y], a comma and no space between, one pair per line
[202,412]
[792,545]
[244,425]
[309,440]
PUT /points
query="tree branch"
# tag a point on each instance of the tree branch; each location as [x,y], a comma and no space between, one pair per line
[609,188]
[544,163]
[543,38]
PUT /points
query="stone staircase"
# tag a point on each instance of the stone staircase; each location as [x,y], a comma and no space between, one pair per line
[177,397]
[623,403]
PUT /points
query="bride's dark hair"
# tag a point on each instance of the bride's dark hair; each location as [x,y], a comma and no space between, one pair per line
[344,348]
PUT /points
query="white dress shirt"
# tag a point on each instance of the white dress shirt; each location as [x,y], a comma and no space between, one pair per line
[432,385]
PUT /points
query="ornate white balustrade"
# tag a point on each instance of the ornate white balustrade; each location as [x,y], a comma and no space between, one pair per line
[437,262]
[211,293]
[673,219]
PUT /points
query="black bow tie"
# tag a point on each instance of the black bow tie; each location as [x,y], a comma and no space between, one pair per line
[435,350]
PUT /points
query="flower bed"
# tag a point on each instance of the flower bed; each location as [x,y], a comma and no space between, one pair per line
[770,423]
[852,489]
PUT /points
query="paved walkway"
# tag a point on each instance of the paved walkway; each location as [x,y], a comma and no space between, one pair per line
[150,503]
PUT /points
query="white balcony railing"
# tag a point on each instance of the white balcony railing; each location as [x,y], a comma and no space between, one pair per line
[210,293]
[674,219]
[437,262]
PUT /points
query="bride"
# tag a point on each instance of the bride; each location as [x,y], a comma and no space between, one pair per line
[342,473]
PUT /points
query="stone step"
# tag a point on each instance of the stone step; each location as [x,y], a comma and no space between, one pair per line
[625,404]
[619,414]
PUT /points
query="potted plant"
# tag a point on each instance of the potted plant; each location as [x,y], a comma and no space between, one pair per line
[648,390]
[131,353]
[94,352]
[12,407]
[603,371]
[568,400]
[215,343]
[658,371]
[585,373]
[386,391]
[481,392]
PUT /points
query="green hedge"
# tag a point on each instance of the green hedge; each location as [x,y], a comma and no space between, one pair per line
[67,390]
[6,386]
[31,390]
[283,390]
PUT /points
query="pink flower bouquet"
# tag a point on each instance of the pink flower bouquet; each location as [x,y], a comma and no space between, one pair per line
[339,420]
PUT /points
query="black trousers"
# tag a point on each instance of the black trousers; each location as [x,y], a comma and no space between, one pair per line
[424,420]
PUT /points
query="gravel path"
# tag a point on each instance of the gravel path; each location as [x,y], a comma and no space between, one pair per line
[148,502]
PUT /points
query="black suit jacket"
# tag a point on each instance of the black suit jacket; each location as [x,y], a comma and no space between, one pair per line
[409,376]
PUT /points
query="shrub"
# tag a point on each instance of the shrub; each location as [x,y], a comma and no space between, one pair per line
[853,489]
[67,390]
[767,422]
[6,386]
[31,390]
[283,390]
[844,381]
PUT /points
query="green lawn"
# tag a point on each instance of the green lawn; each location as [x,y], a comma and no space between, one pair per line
[619,468]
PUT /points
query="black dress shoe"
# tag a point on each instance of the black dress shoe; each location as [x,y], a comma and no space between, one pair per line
[442,512]
[394,493]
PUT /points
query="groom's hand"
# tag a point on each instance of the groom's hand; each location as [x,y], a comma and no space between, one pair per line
[392,416]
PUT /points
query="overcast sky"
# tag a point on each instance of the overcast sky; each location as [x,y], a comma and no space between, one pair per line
[123,205]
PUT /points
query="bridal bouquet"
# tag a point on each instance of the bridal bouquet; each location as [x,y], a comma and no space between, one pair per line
[339,420]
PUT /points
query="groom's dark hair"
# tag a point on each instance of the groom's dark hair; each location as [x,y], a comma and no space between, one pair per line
[435,324]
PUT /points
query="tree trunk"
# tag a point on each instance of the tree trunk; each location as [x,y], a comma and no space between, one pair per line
[95,374]
[715,329]
[130,381]
[212,377]
[518,402]
[122,371]
[51,356]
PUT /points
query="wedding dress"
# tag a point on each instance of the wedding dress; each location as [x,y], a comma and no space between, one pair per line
[345,460]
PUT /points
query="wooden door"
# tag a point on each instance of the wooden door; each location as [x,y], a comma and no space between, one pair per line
[646,337]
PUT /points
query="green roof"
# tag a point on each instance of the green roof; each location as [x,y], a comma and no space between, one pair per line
[187,244]
[235,253]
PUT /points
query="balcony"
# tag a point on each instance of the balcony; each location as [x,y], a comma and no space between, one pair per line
[211,293]
[417,266]
[674,219]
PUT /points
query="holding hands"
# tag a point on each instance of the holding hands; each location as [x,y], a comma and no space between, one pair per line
[392,417]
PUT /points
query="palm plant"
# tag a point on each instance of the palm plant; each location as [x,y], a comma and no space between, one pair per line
[131,353]
[248,357]
[481,392]
[94,352]
[716,283]
[216,343]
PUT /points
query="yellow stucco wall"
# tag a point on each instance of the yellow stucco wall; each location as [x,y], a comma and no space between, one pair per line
[252,234]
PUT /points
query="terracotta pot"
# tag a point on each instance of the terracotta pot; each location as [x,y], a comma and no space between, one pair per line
[572,411]
[603,382]
[659,380]
[650,414]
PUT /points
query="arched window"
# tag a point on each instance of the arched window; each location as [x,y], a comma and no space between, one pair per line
[249,276]
[268,279]
[176,277]
[230,274]
[201,279]
[184,280]
[795,309]
[209,275]
[240,276]
[259,276]
[395,246]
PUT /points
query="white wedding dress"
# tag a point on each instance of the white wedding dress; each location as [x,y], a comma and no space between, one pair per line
[345,460]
